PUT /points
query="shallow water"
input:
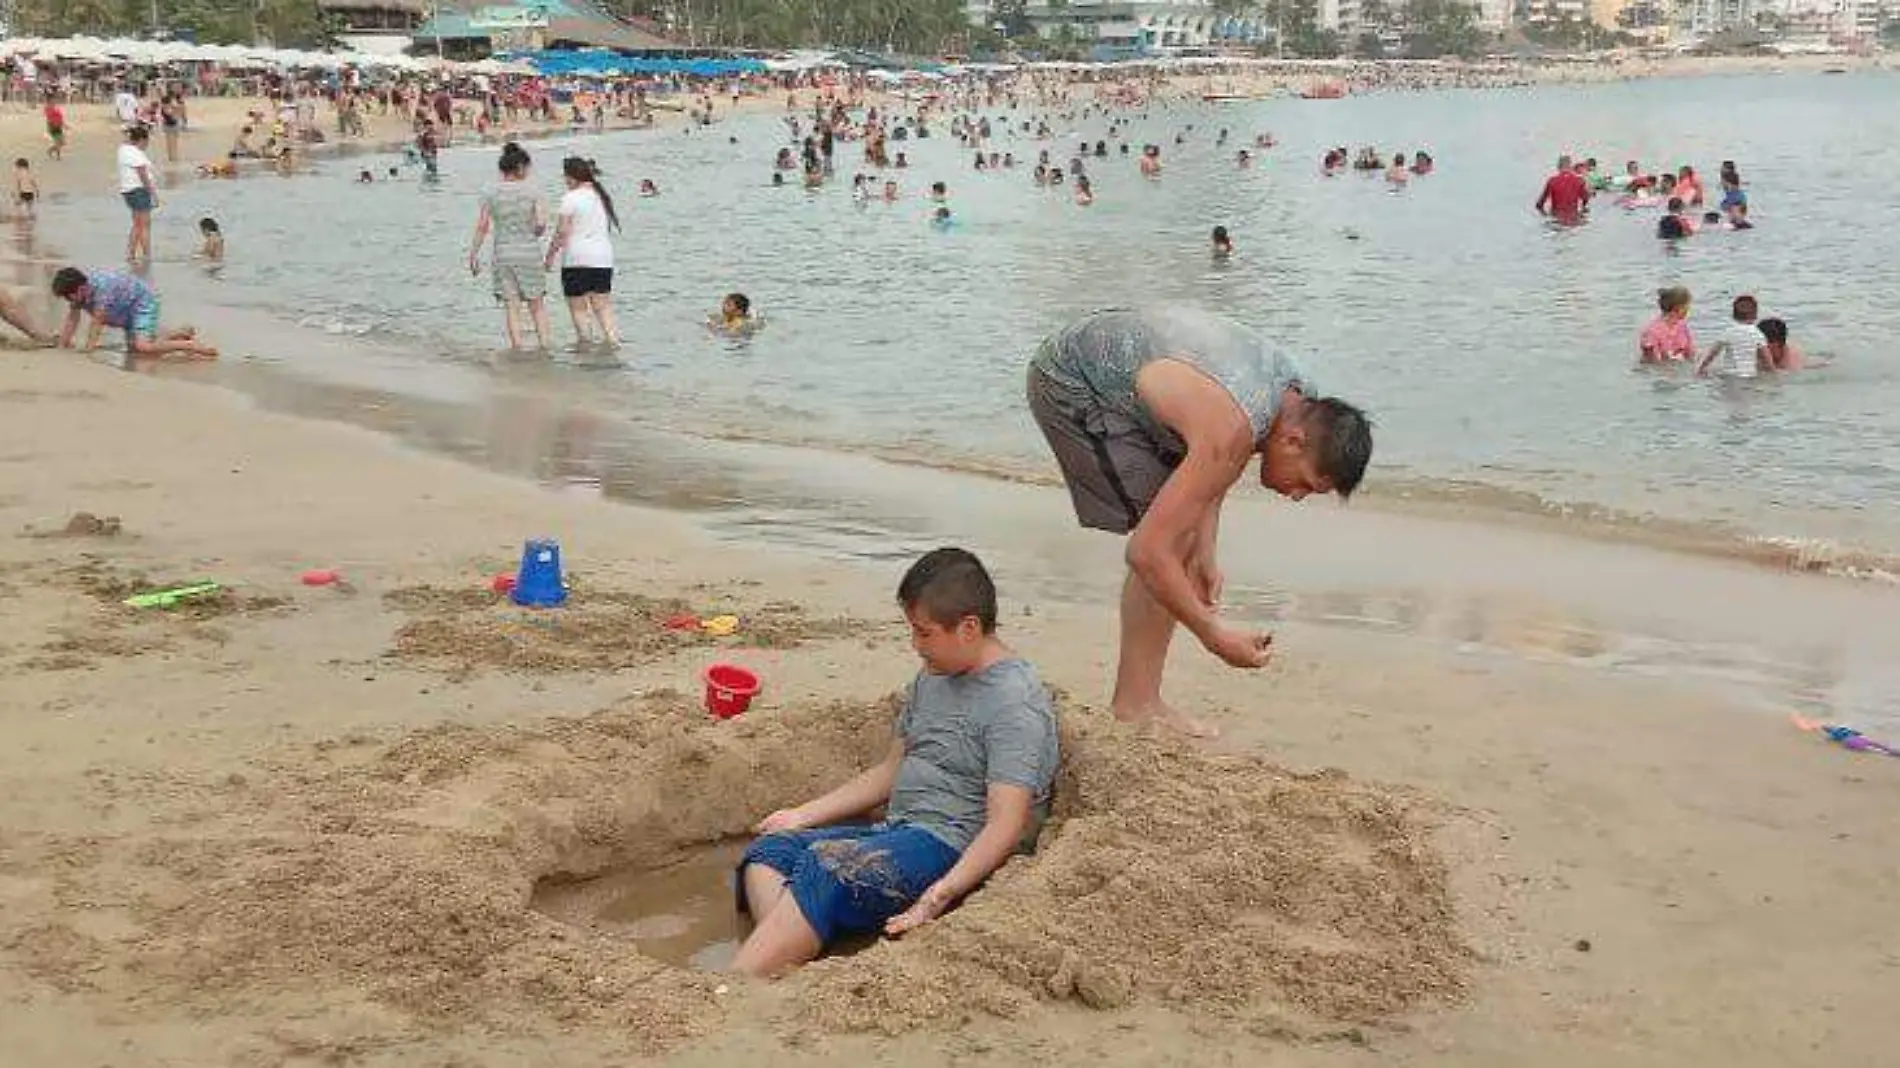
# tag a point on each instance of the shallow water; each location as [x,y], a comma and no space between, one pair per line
[682,913]
[1494,350]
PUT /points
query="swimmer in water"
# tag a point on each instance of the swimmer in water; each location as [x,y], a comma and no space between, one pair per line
[939,192]
[890,192]
[941,218]
[735,316]
[213,248]
[1243,159]
[1084,192]
[365,178]
[1151,162]
[1777,352]
[1397,174]
[1223,245]
[1667,336]
[648,188]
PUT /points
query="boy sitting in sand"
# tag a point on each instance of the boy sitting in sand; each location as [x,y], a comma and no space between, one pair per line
[118,299]
[965,785]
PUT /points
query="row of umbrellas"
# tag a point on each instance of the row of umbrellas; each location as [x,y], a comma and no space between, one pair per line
[143,52]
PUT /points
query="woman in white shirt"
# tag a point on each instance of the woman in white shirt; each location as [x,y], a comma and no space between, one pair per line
[139,192]
[583,242]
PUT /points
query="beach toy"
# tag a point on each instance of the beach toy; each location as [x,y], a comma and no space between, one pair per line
[729,690]
[683,621]
[502,583]
[320,577]
[1845,737]
[172,596]
[538,584]
[720,626]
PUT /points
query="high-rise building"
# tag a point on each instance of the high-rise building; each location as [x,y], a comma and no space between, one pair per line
[1145,24]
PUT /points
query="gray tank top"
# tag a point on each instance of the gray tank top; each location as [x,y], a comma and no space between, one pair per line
[1101,353]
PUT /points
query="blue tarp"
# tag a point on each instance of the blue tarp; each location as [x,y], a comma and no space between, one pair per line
[595,62]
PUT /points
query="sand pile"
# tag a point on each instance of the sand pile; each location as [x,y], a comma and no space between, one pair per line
[1219,884]
[405,873]
[464,630]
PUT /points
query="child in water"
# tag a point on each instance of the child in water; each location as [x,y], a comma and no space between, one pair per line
[1223,245]
[964,785]
[26,188]
[213,248]
[1084,192]
[735,316]
[1741,342]
[1777,352]
[648,188]
[1667,336]
[941,218]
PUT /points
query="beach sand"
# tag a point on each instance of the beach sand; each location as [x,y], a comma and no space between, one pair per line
[299,825]
[295,825]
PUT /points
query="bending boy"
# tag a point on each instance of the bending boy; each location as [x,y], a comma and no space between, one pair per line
[118,299]
[966,782]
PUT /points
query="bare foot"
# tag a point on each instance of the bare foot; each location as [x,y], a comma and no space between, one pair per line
[1166,716]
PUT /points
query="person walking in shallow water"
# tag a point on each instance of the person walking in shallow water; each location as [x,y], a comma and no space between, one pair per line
[514,213]
[1153,416]
[583,242]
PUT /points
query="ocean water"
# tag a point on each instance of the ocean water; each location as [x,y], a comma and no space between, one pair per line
[1495,351]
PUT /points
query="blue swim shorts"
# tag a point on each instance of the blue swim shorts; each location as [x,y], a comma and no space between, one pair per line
[850,879]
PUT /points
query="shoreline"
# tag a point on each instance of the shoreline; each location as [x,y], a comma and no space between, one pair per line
[387,744]
[1827,554]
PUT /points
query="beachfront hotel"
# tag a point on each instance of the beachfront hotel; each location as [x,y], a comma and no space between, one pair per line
[470,28]
[1144,25]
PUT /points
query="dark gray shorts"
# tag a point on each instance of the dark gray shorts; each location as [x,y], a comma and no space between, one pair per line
[1113,466]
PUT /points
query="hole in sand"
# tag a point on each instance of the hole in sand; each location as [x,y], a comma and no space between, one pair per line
[684,913]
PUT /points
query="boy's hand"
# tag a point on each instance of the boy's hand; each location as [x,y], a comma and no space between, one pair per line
[929,906]
[785,819]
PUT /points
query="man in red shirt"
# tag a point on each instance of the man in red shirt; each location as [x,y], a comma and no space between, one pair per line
[1565,193]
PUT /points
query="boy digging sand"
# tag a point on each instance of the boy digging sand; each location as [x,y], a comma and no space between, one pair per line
[966,782]
[118,299]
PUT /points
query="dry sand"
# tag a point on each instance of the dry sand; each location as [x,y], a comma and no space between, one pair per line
[269,829]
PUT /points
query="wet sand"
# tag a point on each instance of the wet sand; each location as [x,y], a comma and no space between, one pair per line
[258,831]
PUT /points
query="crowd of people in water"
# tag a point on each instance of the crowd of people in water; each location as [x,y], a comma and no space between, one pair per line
[1750,344]
[523,241]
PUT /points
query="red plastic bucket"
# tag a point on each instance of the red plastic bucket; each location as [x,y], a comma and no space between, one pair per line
[729,690]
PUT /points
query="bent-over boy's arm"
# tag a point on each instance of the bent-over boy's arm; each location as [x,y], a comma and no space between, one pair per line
[1714,351]
[70,328]
[93,329]
[1005,821]
[863,792]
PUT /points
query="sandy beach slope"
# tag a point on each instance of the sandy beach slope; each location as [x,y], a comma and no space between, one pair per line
[298,826]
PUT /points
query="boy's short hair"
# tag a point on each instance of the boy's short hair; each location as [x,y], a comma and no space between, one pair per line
[741,302]
[21,163]
[1745,307]
[1669,298]
[948,586]
[1774,330]
[67,281]
[938,187]
[208,225]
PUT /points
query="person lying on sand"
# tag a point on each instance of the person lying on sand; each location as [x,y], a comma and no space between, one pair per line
[1153,415]
[966,782]
[118,299]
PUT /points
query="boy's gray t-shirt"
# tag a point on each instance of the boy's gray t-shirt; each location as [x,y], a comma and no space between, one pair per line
[964,732]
